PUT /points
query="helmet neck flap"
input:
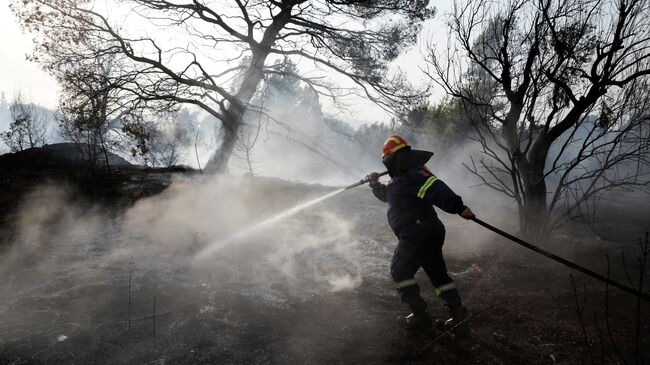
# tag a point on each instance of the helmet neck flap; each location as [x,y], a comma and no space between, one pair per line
[400,162]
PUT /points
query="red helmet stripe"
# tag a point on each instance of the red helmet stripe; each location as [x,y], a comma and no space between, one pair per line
[393,144]
[394,149]
[394,139]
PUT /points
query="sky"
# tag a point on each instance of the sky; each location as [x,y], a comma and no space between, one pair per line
[20,75]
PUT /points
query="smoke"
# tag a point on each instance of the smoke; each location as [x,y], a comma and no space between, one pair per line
[295,139]
[69,260]
[180,222]
[333,152]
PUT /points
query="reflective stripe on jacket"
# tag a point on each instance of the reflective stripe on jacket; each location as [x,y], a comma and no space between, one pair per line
[410,203]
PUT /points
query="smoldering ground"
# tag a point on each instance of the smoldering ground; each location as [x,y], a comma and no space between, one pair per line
[313,288]
[69,263]
[67,270]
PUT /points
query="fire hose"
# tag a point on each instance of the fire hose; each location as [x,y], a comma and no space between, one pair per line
[365,180]
[550,255]
[564,261]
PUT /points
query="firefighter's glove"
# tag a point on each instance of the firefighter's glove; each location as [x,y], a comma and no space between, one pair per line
[467,213]
[373,180]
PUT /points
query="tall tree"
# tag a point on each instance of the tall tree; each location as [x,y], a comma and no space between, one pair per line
[354,38]
[535,74]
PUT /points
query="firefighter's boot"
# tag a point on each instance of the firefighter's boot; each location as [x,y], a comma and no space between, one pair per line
[419,319]
[457,324]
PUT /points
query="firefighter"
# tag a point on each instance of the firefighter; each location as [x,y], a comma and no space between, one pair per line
[411,194]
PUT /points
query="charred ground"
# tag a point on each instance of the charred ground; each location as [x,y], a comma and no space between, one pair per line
[240,307]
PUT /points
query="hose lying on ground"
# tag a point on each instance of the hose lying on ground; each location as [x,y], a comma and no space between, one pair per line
[564,261]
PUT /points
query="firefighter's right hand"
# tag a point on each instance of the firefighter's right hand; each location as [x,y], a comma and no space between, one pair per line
[467,213]
[373,179]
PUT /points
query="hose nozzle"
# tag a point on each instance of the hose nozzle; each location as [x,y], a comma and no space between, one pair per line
[365,180]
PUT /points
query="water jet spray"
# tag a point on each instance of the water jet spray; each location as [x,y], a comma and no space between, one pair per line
[212,248]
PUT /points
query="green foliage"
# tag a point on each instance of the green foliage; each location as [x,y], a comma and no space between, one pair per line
[414,10]
[447,121]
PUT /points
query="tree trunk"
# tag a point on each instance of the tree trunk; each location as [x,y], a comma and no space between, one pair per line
[535,216]
[219,161]
[235,112]
[233,115]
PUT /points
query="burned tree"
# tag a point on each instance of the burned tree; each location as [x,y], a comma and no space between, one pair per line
[99,115]
[167,137]
[355,39]
[246,145]
[87,112]
[28,128]
[555,89]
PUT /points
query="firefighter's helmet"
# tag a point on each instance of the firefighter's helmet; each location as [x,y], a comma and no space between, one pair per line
[393,144]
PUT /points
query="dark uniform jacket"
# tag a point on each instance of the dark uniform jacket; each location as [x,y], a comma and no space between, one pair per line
[411,197]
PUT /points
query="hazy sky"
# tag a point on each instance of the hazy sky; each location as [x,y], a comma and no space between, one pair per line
[18,74]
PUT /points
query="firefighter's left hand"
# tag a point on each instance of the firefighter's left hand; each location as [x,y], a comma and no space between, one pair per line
[373,179]
[467,214]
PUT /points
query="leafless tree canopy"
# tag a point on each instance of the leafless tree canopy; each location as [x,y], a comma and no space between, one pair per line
[221,40]
[87,111]
[28,127]
[556,90]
